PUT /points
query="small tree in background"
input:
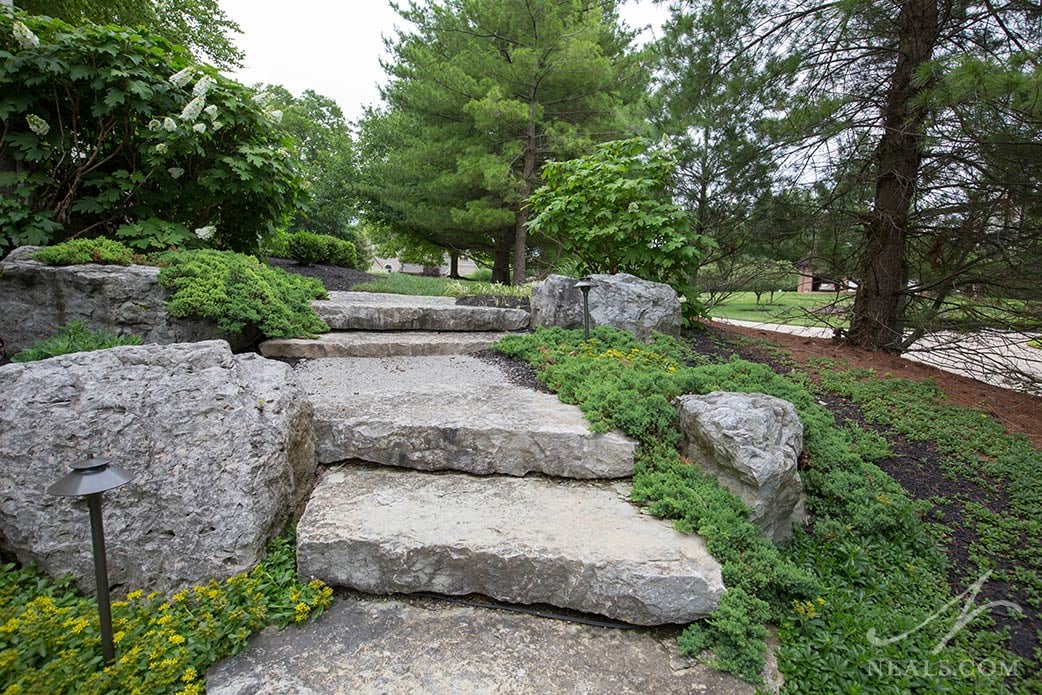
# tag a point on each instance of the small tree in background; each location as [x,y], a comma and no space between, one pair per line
[612,210]
[109,131]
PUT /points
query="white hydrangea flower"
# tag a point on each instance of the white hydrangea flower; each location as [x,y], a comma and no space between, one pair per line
[175,172]
[217,125]
[24,36]
[275,115]
[199,127]
[203,85]
[155,124]
[193,109]
[262,98]
[211,111]
[182,77]
[206,232]
[161,148]
[169,124]
[37,124]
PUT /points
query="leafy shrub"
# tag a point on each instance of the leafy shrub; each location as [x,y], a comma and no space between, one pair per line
[73,337]
[238,291]
[151,235]
[105,124]
[276,245]
[79,251]
[49,636]
[307,248]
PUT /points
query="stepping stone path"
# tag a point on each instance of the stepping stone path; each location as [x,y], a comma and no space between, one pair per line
[446,478]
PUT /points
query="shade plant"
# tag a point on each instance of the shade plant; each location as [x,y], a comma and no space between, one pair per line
[117,131]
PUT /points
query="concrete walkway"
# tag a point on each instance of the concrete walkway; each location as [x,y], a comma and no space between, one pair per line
[999,358]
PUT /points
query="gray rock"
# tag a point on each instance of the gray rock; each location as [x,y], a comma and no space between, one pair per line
[524,540]
[222,447]
[452,413]
[751,443]
[381,344]
[366,645]
[621,301]
[374,311]
[35,299]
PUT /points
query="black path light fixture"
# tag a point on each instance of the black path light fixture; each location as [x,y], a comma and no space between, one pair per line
[89,479]
[584,285]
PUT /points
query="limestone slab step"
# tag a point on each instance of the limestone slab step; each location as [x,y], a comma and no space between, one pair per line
[373,311]
[365,645]
[381,344]
[452,413]
[578,545]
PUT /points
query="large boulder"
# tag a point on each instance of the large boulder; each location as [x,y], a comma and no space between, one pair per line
[622,301]
[222,448]
[35,299]
[751,443]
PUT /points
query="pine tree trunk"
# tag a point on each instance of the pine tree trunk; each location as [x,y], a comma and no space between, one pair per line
[454,265]
[501,261]
[876,316]
[527,179]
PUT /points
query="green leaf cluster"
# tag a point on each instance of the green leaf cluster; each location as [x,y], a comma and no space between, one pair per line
[106,127]
[238,291]
[612,210]
[49,636]
[79,251]
[73,337]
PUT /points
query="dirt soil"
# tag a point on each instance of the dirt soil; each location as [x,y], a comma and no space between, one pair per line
[335,278]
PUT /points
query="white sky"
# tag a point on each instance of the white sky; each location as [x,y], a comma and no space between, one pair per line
[334,46]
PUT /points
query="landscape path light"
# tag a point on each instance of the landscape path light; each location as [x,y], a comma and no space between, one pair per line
[584,285]
[89,479]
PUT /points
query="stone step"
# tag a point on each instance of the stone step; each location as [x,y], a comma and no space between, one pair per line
[381,344]
[373,311]
[409,645]
[452,413]
[577,545]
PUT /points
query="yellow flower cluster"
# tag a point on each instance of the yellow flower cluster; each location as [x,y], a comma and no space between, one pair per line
[635,355]
[808,610]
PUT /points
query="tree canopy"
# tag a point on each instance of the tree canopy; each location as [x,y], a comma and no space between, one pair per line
[481,93]
[201,26]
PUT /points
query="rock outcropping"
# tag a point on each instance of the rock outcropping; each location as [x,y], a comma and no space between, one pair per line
[622,301]
[751,443]
[222,448]
[35,299]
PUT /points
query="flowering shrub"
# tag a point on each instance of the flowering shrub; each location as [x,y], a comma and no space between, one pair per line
[50,641]
[109,128]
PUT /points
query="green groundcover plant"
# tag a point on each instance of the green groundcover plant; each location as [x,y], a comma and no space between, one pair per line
[844,592]
[78,251]
[73,337]
[50,643]
[238,291]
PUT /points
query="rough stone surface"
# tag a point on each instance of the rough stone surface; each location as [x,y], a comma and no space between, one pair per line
[751,443]
[381,344]
[458,413]
[622,301]
[365,645]
[525,540]
[373,311]
[221,447]
[35,299]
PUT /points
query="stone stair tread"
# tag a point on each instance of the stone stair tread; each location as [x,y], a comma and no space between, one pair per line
[408,645]
[382,344]
[374,311]
[452,413]
[577,545]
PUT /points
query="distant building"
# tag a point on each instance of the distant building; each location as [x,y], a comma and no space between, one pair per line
[381,265]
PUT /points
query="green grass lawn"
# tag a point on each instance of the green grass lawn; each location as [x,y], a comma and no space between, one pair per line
[794,308]
[402,283]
